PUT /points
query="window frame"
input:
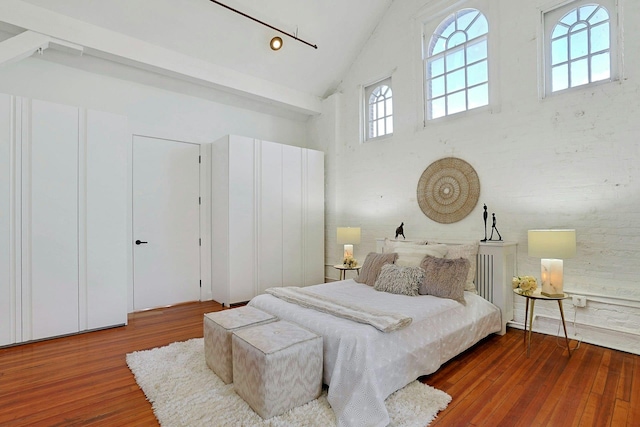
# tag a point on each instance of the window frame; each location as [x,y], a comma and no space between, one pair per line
[367,91]
[446,52]
[550,17]
[429,19]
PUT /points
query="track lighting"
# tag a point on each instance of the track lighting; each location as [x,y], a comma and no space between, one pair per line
[276,42]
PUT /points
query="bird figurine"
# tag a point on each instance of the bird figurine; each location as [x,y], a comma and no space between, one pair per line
[400,231]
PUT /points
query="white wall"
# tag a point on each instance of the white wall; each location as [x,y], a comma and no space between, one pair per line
[566,161]
[150,111]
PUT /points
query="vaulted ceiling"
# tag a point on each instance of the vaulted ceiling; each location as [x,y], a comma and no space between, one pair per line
[211,34]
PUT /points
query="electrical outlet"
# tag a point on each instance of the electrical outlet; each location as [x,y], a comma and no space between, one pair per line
[579,300]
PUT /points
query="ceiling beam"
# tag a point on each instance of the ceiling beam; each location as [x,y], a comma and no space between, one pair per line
[22,46]
[117,47]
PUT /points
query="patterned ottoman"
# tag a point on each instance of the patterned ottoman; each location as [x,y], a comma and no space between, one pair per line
[218,328]
[277,367]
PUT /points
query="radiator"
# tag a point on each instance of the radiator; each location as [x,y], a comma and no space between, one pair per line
[485,276]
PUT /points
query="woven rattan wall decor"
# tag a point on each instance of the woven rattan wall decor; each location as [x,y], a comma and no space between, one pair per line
[448,190]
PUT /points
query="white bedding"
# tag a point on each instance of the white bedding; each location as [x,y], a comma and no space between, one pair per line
[362,365]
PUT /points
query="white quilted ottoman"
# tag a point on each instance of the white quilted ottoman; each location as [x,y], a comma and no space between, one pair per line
[276,367]
[218,328]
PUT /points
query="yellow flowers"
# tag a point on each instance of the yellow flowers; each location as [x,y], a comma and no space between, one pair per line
[527,284]
[350,262]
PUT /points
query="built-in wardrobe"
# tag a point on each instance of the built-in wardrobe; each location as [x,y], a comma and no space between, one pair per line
[267,225]
[63,219]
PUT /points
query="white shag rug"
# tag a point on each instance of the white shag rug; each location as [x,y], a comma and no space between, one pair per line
[185,392]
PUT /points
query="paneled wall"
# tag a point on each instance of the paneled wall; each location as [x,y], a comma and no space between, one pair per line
[267,217]
[63,210]
[149,112]
[565,161]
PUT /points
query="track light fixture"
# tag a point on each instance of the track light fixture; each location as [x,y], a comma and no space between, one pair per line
[276,42]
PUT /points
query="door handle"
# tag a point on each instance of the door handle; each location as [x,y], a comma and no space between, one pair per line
[140,242]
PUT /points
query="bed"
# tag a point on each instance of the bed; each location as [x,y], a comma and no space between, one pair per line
[362,364]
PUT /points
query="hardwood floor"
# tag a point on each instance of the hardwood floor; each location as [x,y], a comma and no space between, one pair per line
[495,384]
[84,379]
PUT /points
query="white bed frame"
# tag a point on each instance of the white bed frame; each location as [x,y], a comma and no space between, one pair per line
[495,266]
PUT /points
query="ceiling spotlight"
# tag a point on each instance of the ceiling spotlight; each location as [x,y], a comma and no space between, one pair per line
[276,43]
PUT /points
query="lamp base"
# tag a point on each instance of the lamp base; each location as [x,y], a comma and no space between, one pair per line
[348,251]
[552,280]
[552,295]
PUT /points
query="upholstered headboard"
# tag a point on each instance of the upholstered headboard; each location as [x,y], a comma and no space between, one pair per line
[495,266]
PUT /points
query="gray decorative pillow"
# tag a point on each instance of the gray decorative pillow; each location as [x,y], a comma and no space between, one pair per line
[372,265]
[396,279]
[470,252]
[445,278]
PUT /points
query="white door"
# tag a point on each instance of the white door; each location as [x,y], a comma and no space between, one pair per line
[166,222]
[7,200]
[292,216]
[313,178]
[271,224]
[50,265]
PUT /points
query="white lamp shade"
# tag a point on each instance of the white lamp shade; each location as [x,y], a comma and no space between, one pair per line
[350,235]
[552,244]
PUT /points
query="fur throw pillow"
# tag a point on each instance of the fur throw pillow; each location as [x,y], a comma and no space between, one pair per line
[396,279]
[445,278]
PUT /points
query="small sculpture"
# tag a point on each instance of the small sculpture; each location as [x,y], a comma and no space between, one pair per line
[493,227]
[400,231]
[485,215]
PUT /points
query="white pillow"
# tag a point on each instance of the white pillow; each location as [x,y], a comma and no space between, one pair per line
[391,245]
[412,255]
[469,252]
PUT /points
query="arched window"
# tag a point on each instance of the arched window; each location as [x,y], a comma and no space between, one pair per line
[456,65]
[580,48]
[379,109]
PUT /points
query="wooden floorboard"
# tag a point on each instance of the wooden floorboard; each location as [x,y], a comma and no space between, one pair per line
[84,379]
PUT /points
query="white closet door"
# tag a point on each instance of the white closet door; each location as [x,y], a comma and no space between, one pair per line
[292,216]
[220,220]
[242,235]
[270,216]
[314,220]
[50,222]
[7,282]
[107,154]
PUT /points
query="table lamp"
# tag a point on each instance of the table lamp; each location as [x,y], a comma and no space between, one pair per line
[348,236]
[552,246]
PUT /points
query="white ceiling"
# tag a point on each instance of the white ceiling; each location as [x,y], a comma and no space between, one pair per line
[207,31]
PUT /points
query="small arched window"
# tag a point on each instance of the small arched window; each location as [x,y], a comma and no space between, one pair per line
[456,65]
[580,47]
[379,105]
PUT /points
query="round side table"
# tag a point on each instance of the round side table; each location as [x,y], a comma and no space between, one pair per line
[538,296]
[343,270]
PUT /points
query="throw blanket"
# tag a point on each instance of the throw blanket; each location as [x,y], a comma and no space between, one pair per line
[385,322]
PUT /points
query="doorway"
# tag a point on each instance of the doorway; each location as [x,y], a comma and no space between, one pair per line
[166,222]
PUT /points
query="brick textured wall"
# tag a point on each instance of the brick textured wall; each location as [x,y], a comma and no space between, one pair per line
[565,161]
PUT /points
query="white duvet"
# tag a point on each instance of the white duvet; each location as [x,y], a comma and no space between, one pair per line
[363,365]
